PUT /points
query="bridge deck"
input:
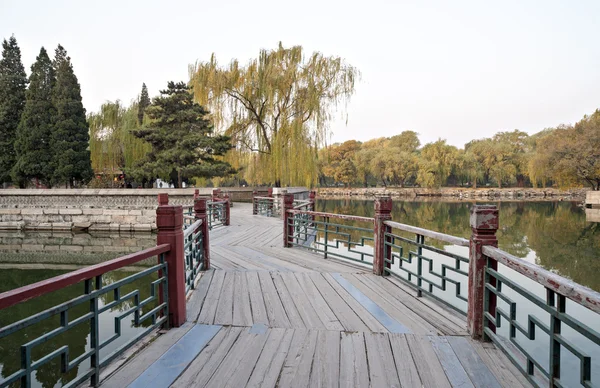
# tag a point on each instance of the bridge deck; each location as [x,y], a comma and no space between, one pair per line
[269,316]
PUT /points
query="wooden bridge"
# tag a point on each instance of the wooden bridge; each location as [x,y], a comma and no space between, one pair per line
[249,307]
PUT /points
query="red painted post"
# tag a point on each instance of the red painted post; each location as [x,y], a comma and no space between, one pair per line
[200,213]
[270,205]
[288,230]
[227,209]
[169,220]
[311,198]
[484,224]
[196,193]
[216,193]
[254,202]
[383,212]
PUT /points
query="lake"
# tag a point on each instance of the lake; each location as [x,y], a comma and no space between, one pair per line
[554,235]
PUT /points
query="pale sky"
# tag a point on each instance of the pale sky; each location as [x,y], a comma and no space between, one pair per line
[454,69]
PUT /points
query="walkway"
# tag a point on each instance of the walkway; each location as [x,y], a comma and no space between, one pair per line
[268,316]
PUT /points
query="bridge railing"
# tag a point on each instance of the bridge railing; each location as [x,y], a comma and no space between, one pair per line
[154,296]
[547,325]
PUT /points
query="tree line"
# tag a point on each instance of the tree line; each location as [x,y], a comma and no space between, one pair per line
[43,129]
[565,156]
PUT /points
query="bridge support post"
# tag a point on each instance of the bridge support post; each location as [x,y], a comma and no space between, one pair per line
[288,230]
[216,194]
[270,205]
[196,193]
[169,220]
[227,209]
[484,224]
[201,214]
[383,212]
[254,202]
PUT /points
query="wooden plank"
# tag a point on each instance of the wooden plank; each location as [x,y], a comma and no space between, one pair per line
[382,370]
[259,312]
[224,314]
[275,311]
[236,262]
[429,367]
[452,367]
[392,304]
[321,307]
[392,325]
[209,307]
[405,365]
[194,304]
[242,314]
[164,371]
[305,309]
[298,363]
[288,302]
[267,369]
[369,320]
[479,373]
[207,362]
[342,311]
[243,360]
[142,360]
[353,360]
[505,372]
[326,364]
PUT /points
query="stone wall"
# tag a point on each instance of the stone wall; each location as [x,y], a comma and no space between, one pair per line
[452,192]
[107,210]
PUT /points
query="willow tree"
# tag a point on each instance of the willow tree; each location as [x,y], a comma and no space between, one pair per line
[278,106]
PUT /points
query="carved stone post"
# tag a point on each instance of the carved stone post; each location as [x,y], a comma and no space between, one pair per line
[288,230]
[201,214]
[383,212]
[169,220]
[484,224]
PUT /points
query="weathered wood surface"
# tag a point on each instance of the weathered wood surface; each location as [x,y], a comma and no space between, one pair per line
[289,320]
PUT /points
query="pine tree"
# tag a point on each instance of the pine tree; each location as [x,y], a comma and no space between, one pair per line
[183,144]
[13,83]
[70,138]
[143,104]
[32,143]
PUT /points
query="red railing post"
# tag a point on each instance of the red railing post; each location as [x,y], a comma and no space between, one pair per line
[383,212]
[311,199]
[254,202]
[169,221]
[484,224]
[227,209]
[201,214]
[288,230]
[196,193]
[270,203]
[216,193]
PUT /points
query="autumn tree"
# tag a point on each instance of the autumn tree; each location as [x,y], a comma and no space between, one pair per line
[182,139]
[435,163]
[279,106]
[13,83]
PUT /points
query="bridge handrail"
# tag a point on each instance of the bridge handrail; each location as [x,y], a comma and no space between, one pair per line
[346,217]
[191,228]
[463,242]
[25,293]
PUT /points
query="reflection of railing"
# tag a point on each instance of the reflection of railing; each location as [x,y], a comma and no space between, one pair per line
[558,291]
[437,266]
[337,240]
[426,267]
[155,308]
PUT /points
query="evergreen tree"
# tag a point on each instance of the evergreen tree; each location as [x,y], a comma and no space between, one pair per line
[13,83]
[143,104]
[32,144]
[70,138]
[183,144]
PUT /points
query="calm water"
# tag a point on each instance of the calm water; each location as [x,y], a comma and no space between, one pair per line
[555,235]
[58,254]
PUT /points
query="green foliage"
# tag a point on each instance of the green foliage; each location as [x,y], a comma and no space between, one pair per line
[436,163]
[32,144]
[70,138]
[13,83]
[277,107]
[182,139]
[143,104]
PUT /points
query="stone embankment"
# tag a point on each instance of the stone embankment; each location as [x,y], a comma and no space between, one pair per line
[457,193]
